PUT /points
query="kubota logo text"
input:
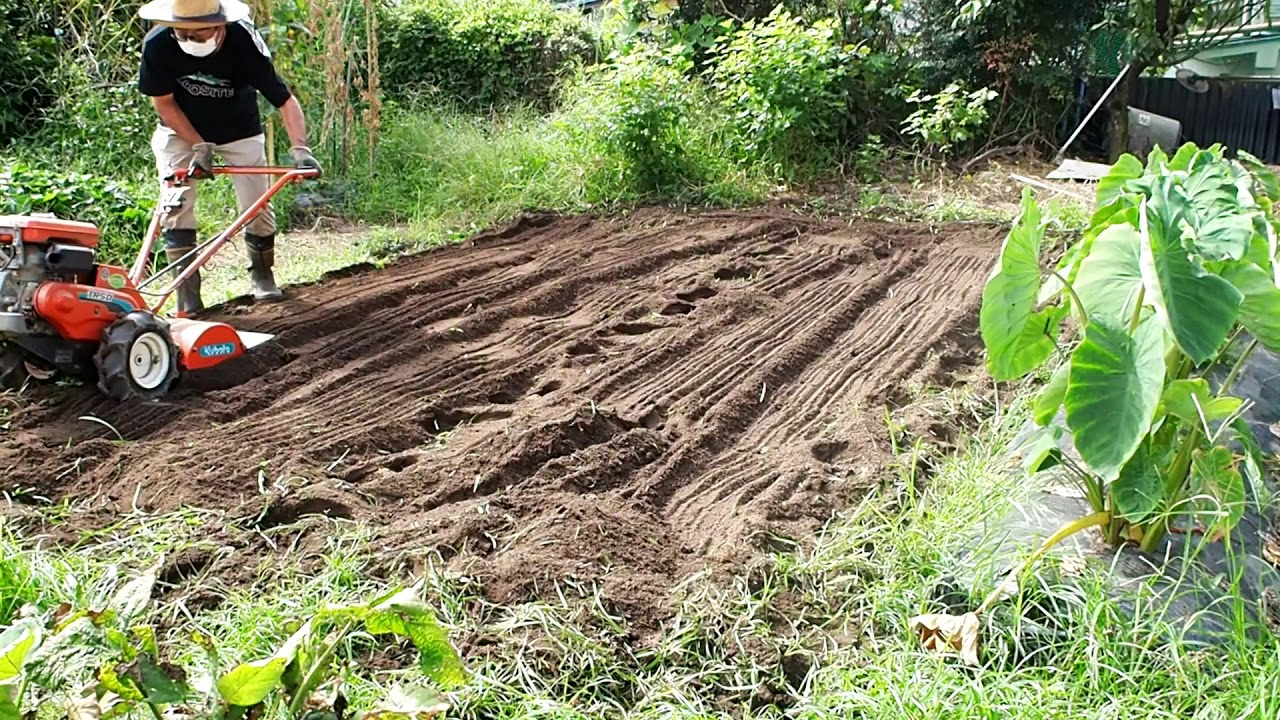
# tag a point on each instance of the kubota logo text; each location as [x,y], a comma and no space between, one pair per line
[218,350]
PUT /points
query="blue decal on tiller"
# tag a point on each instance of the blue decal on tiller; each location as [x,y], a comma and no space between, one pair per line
[218,350]
[122,306]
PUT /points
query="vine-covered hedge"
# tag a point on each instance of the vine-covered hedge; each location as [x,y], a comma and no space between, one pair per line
[481,55]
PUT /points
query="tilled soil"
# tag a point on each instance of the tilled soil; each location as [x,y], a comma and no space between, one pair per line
[625,399]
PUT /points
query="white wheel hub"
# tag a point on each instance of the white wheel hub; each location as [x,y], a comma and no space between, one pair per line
[150,359]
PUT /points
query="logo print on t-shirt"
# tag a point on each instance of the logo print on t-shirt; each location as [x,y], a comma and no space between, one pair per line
[202,85]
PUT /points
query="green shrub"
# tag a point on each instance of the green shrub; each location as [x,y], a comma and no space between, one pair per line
[950,118]
[28,56]
[782,82]
[480,55]
[641,113]
[121,214]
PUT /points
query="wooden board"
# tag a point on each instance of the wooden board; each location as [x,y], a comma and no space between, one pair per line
[1079,170]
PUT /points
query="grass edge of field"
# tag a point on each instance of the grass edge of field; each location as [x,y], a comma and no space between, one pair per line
[824,627]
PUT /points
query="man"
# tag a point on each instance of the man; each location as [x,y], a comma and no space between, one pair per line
[203,67]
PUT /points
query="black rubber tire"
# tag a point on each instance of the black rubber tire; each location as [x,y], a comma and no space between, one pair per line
[112,359]
[13,369]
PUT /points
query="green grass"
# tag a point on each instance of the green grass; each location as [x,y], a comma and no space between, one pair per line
[1103,664]
[822,631]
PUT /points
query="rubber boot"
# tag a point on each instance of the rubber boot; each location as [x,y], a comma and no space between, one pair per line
[262,257]
[177,244]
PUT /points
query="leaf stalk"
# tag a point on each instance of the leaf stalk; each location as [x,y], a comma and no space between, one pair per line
[1084,523]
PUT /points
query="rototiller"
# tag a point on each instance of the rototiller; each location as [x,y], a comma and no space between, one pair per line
[62,311]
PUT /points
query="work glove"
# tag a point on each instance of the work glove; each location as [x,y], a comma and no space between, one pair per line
[303,159]
[202,161]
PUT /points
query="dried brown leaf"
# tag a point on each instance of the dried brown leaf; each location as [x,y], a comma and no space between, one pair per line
[947,633]
[62,612]
[38,372]
[328,697]
[1073,566]
[86,705]
[1271,547]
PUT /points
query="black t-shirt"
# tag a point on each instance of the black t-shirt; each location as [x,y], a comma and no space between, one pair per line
[218,93]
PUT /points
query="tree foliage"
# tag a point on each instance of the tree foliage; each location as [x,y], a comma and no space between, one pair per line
[1158,34]
[1030,52]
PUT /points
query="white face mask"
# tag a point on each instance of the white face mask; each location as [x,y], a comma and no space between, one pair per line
[199,49]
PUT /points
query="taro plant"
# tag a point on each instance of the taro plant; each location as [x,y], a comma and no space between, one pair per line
[1149,319]
[1179,263]
[129,671]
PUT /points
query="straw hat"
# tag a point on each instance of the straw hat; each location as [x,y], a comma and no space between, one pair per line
[193,14]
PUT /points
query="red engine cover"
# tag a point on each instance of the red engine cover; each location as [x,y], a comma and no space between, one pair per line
[81,312]
[48,230]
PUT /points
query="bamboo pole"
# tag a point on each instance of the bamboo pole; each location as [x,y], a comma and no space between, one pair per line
[263,14]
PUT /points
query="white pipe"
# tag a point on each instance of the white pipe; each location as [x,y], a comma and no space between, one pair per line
[1092,111]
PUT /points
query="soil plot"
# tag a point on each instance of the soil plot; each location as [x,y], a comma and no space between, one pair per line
[623,399]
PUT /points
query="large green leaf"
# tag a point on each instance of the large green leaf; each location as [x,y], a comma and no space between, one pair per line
[1210,183]
[1123,209]
[1191,400]
[1110,278]
[249,684]
[1182,160]
[1139,489]
[8,710]
[1225,236]
[1050,399]
[1262,246]
[1114,388]
[1215,475]
[1111,185]
[16,643]
[1121,212]
[1157,161]
[1260,309]
[1200,308]
[1040,451]
[1222,228]
[1017,336]
[1262,175]
[404,616]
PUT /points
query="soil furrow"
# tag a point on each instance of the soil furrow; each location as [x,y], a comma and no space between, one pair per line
[617,399]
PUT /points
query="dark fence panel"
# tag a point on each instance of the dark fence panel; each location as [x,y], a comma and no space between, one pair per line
[1235,112]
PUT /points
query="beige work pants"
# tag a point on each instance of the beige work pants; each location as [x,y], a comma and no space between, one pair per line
[172,153]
